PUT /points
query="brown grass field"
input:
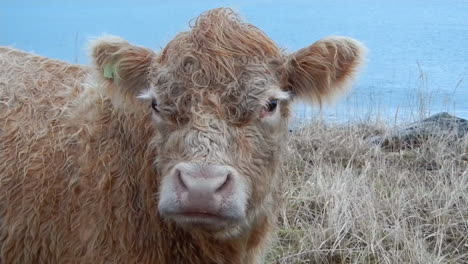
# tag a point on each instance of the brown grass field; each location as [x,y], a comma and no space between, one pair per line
[352,201]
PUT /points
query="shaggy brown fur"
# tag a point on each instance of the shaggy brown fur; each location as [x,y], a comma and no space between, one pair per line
[82,158]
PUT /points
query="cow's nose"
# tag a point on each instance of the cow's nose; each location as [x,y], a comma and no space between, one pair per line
[203,193]
[203,181]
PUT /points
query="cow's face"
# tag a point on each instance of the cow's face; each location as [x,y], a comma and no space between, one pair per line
[219,96]
[218,143]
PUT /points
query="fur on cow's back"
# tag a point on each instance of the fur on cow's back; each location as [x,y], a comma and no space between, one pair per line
[63,169]
[49,161]
[34,90]
[25,76]
[34,94]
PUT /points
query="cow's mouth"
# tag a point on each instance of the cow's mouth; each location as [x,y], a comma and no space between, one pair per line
[203,220]
[202,215]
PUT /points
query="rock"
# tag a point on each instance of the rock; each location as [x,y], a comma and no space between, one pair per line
[439,125]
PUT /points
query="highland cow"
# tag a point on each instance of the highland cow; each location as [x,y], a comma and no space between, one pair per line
[145,157]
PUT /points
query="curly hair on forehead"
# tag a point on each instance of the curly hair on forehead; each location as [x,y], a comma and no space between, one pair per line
[222,32]
[220,42]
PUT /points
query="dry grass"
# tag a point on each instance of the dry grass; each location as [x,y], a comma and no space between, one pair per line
[350,201]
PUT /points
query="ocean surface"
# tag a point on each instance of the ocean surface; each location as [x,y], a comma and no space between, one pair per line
[418,49]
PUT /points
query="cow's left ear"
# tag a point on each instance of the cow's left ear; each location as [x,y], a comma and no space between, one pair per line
[322,70]
[122,64]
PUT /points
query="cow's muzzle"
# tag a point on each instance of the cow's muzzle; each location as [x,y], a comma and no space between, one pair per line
[208,195]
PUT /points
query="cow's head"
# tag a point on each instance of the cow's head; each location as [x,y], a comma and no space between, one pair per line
[220,96]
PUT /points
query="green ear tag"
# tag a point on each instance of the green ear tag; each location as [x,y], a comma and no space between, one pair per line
[109,71]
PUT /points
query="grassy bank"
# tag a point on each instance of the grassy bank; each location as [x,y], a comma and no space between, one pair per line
[352,201]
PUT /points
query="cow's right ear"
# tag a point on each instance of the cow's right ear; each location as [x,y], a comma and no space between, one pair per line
[122,64]
[322,70]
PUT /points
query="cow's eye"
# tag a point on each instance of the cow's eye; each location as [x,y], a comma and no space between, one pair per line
[154,105]
[270,108]
[272,104]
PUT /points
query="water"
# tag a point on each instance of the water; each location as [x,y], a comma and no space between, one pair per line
[417,64]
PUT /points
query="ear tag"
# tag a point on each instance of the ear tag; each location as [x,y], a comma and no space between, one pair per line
[109,71]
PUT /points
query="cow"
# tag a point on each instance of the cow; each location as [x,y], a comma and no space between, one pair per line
[155,157]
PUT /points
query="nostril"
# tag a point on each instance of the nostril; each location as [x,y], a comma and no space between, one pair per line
[202,181]
[180,179]
[225,184]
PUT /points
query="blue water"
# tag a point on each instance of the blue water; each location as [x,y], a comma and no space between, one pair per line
[418,49]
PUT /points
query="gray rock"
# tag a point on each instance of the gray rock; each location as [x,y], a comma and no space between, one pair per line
[439,125]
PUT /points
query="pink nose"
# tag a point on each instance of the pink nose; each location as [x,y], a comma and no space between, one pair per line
[195,191]
[202,181]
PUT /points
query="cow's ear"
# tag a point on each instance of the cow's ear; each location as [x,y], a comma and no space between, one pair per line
[322,70]
[122,64]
